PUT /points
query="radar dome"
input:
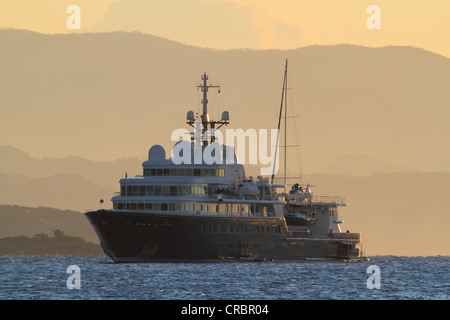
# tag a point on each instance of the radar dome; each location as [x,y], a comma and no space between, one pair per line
[156,153]
[225,116]
[190,116]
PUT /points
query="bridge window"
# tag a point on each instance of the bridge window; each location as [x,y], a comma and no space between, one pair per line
[190,172]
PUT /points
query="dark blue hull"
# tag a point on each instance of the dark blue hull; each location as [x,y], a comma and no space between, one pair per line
[128,236]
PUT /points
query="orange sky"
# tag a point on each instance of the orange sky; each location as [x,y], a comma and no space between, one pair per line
[256,24]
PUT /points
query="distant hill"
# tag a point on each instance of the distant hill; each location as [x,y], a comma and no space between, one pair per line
[102,173]
[28,221]
[42,244]
[64,191]
[67,183]
[106,96]
[362,165]
[397,213]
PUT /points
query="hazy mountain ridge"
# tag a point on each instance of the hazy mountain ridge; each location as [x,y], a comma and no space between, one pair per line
[112,95]
[64,191]
[362,165]
[29,221]
[103,173]
[397,213]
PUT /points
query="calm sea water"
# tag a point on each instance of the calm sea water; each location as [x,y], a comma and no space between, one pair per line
[47,278]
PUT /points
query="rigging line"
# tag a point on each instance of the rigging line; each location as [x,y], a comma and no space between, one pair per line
[290,117]
[296,164]
[297,136]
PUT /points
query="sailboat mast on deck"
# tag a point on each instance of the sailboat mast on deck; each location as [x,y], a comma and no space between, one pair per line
[283,101]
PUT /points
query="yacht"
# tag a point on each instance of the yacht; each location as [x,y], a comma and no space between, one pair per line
[198,210]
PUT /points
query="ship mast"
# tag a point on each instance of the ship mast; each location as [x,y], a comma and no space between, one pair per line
[283,101]
[208,125]
[285,123]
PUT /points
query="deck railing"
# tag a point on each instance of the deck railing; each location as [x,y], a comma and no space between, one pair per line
[337,199]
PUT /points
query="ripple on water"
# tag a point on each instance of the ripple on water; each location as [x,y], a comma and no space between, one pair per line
[45,277]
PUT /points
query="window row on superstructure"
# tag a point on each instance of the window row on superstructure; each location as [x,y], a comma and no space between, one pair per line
[158,190]
[226,209]
[189,172]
